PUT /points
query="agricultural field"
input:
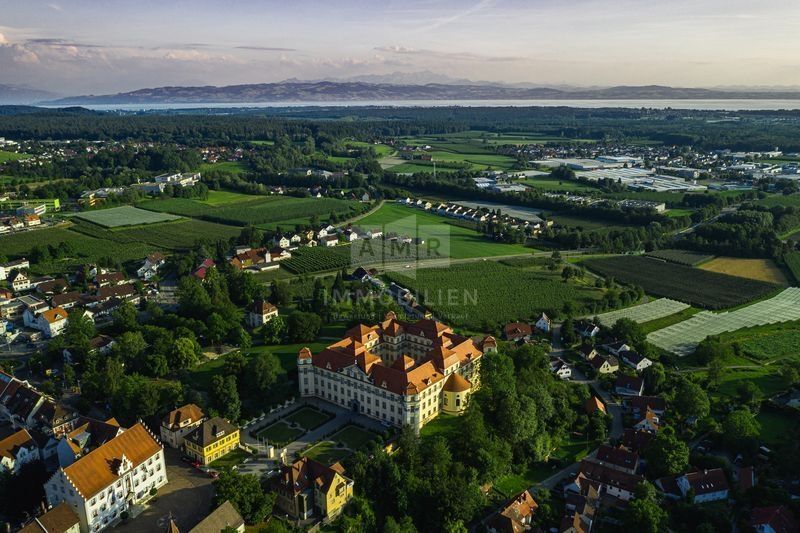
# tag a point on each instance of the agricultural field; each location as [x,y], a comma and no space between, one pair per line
[318,259]
[361,252]
[793,263]
[125,216]
[694,286]
[179,235]
[681,257]
[225,197]
[257,210]
[758,269]
[783,200]
[457,241]
[461,152]
[381,150]
[682,338]
[234,167]
[5,155]
[474,295]
[640,314]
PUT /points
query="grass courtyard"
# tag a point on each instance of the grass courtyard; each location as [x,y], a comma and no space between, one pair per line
[232,458]
[340,445]
[307,418]
[279,434]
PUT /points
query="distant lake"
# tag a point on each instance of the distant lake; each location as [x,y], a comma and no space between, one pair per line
[723,105]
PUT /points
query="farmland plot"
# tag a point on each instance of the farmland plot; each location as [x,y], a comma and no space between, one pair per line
[682,338]
[644,312]
[125,216]
[681,257]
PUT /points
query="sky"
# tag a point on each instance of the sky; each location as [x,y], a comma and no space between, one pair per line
[103,46]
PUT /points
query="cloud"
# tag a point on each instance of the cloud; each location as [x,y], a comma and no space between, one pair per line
[444,21]
[55,7]
[52,42]
[266,48]
[3,39]
[458,56]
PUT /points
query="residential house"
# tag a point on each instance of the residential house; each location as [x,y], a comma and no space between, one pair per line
[610,481]
[586,329]
[279,254]
[579,511]
[517,331]
[251,257]
[588,352]
[375,233]
[16,450]
[629,385]
[295,239]
[67,300]
[86,435]
[6,269]
[638,405]
[281,241]
[560,368]
[32,221]
[636,440]
[52,287]
[774,519]
[53,418]
[350,235]
[704,485]
[593,405]
[19,281]
[52,322]
[223,518]
[59,519]
[329,240]
[515,516]
[618,458]
[121,292]
[260,312]
[110,479]
[616,348]
[211,440]
[604,365]
[180,422]
[152,263]
[202,270]
[307,489]
[543,323]
[102,344]
[109,279]
[635,360]
[648,421]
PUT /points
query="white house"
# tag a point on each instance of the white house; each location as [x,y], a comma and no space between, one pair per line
[329,240]
[7,268]
[180,422]
[635,360]
[560,368]
[151,265]
[19,281]
[52,322]
[109,480]
[543,324]
[16,450]
[260,312]
[706,485]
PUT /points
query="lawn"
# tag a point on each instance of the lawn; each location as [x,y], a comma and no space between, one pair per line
[307,418]
[783,200]
[5,155]
[512,484]
[661,323]
[234,167]
[456,241]
[327,453]
[353,437]
[445,426]
[231,459]
[418,167]
[546,183]
[758,269]
[776,426]
[279,434]
[586,224]
[125,216]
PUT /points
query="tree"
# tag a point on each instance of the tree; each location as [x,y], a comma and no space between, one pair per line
[304,327]
[740,431]
[184,354]
[245,493]
[790,375]
[627,330]
[712,348]
[666,455]
[125,317]
[275,330]
[654,378]
[691,400]
[263,371]
[749,395]
[568,332]
[644,513]
[130,346]
[226,396]
[406,525]
[218,328]
[280,293]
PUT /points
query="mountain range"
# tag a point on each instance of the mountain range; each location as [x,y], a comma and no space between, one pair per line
[20,94]
[360,91]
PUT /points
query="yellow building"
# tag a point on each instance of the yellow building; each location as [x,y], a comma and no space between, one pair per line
[211,440]
[455,394]
[307,489]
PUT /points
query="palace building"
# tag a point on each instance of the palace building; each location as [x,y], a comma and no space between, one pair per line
[401,373]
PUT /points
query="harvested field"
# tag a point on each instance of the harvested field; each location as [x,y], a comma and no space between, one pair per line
[125,216]
[681,257]
[759,269]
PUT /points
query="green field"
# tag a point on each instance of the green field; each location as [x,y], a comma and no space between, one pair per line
[546,183]
[480,294]
[234,167]
[5,155]
[225,197]
[691,285]
[125,216]
[783,200]
[173,236]
[307,418]
[381,150]
[681,257]
[793,263]
[279,434]
[460,242]
[257,210]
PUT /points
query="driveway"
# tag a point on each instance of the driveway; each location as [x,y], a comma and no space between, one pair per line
[187,497]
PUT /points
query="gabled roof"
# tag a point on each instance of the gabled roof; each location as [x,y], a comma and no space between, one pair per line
[98,469]
[211,431]
[224,516]
[54,315]
[306,472]
[707,481]
[778,517]
[10,446]
[636,440]
[262,307]
[594,404]
[513,517]
[629,382]
[619,457]
[57,520]
[189,412]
